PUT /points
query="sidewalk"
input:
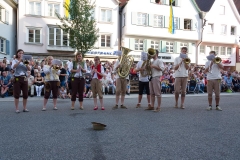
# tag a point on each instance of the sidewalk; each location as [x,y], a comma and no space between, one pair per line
[11,99]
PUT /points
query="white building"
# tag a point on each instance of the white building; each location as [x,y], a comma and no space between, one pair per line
[8,29]
[39,35]
[221,32]
[145,24]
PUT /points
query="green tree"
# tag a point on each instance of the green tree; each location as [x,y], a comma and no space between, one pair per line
[80,24]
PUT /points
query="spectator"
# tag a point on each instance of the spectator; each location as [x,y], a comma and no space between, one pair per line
[4,68]
[39,84]
[5,83]
[62,76]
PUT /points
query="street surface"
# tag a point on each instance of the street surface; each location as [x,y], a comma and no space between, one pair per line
[131,134]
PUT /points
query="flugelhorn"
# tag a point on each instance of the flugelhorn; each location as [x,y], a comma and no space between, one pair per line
[56,64]
[126,62]
[146,64]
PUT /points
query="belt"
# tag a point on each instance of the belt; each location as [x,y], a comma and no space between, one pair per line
[79,77]
[20,76]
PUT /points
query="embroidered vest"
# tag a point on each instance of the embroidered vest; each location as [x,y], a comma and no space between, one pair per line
[75,64]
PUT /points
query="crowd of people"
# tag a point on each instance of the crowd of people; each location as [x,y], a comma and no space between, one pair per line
[40,78]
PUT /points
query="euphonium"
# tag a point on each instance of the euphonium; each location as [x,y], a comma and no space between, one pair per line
[146,64]
[126,62]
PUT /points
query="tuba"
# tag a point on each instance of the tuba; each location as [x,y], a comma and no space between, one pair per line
[146,64]
[126,62]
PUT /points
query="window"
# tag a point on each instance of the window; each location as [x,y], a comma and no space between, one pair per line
[34,35]
[223,29]
[229,51]
[139,44]
[216,49]
[210,28]
[105,41]
[57,37]
[233,30]
[35,8]
[53,9]
[202,49]
[155,45]
[187,24]
[183,45]
[106,15]
[142,19]
[2,45]
[158,21]
[176,23]
[223,51]
[124,20]
[169,47]
[222,10]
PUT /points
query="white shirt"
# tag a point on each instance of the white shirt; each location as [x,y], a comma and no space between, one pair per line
[181,71]
[158,63]
[69,63]
[114,68]
[141,78]
[77,74]
[21,63]
[214,72]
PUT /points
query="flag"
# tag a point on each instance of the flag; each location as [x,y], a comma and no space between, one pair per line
[67,2]
[171,27]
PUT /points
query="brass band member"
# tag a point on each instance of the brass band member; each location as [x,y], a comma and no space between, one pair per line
[181,76]
[213,80]
[78,67]
[96,84]
[52,82]
[121,84]
[20,81]
[157,67]
[143,81]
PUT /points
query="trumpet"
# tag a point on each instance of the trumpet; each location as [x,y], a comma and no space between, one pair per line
[26,59]
[217,60]
[187,60]
[26,62]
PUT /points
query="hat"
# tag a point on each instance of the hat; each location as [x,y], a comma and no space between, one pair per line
[144,56]
[98,126]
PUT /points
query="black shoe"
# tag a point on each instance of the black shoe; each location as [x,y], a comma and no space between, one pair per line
[2,96]
[25,110]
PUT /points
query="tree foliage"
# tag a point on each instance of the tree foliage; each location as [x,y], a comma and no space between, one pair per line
[80,25]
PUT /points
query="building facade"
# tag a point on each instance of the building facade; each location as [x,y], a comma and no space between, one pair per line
[40,36]
[8,28]
[221,31]
[145,25]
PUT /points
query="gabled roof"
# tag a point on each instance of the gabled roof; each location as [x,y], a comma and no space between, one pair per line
[204,5]
[237,4]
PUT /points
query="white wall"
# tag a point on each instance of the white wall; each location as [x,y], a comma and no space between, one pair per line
[8,31]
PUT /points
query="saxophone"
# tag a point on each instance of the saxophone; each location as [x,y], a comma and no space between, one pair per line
[126,62]
[146,64]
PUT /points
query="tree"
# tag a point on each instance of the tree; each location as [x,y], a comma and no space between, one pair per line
[80,25]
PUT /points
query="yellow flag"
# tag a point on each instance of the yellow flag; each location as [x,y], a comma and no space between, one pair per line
[67,2]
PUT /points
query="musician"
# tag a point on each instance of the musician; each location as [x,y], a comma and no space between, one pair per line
[96,84]
[52,82]
[78,68]
[143,81]
[20,81]
[181,77]
[213,81]
[157,67]
[121,83]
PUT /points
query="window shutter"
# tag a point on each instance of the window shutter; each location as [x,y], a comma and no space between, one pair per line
[93,13]
[166,21]
[178,47]
[193,25]
[3,14]
[134,18]
[163,1]
[145,45]
[132,43]
[163,47]
[181,23]
[148,43]
[7,47]
[190,48]
[175,47]
[150,19]
[178,3]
